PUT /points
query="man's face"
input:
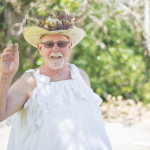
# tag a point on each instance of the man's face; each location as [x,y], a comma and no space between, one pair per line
[56,56]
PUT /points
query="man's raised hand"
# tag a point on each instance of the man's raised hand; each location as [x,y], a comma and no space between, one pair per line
[9,61]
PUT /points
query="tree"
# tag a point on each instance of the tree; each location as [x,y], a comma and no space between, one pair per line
[113,51]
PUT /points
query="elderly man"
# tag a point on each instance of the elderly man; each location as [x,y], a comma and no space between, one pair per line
[51,107]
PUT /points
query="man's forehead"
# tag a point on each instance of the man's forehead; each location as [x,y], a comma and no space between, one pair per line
[54,36]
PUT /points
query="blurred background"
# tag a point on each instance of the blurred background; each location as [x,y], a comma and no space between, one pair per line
[115,54]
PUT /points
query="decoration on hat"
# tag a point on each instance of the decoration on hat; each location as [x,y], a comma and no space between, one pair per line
[58,21]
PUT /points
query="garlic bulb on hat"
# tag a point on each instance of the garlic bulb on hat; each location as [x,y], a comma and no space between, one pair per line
[52,21]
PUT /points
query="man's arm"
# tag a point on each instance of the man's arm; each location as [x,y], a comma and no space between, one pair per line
[85,77]
[11,100]
[17,95]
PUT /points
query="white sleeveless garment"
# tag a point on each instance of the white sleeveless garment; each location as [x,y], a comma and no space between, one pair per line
[61,115]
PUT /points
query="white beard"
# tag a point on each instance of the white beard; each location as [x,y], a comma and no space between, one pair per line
[58,63]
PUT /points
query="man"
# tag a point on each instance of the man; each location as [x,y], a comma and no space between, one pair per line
[40,102]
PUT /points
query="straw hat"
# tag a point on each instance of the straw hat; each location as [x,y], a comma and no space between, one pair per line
[59,23]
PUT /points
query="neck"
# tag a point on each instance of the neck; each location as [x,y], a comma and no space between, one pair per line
[53,72]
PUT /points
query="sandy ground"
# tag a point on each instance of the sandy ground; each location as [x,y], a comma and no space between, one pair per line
[122,137]
[4,135]
[129,137]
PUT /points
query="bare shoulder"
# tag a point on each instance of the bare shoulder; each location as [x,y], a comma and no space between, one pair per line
[28,78]
[85,76]
[29,81]
[24,85]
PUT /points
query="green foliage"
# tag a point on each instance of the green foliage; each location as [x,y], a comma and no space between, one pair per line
[2,27]
[114,59]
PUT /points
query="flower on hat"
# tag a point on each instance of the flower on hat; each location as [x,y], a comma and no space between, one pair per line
[58,21]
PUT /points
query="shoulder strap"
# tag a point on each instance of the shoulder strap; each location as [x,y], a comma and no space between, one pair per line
[39,78]
[30,70]
[34,74]
[75,73]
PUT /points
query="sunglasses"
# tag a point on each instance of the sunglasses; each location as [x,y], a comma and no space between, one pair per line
[50,44]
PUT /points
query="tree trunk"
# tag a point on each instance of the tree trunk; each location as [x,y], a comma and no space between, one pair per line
[15,19]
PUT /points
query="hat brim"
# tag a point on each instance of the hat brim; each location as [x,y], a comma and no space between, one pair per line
[32,35]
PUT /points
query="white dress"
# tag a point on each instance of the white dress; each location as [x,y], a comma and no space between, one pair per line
[61,115]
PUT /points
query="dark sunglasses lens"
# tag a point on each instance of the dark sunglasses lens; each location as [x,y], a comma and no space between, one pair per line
[49,44]
[61,43]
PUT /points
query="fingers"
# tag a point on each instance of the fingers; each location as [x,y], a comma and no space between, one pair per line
[15,50]
[8,58]
[7,51]
[16,53]
[9,48]
[10,45]
[6,54]
[15,47]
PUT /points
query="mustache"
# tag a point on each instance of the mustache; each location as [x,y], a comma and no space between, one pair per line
[59,54]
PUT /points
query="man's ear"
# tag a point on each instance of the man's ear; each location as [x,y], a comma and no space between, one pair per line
[70,45]
[39,46]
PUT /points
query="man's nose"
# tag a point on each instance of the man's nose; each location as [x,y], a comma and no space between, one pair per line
[55,48]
